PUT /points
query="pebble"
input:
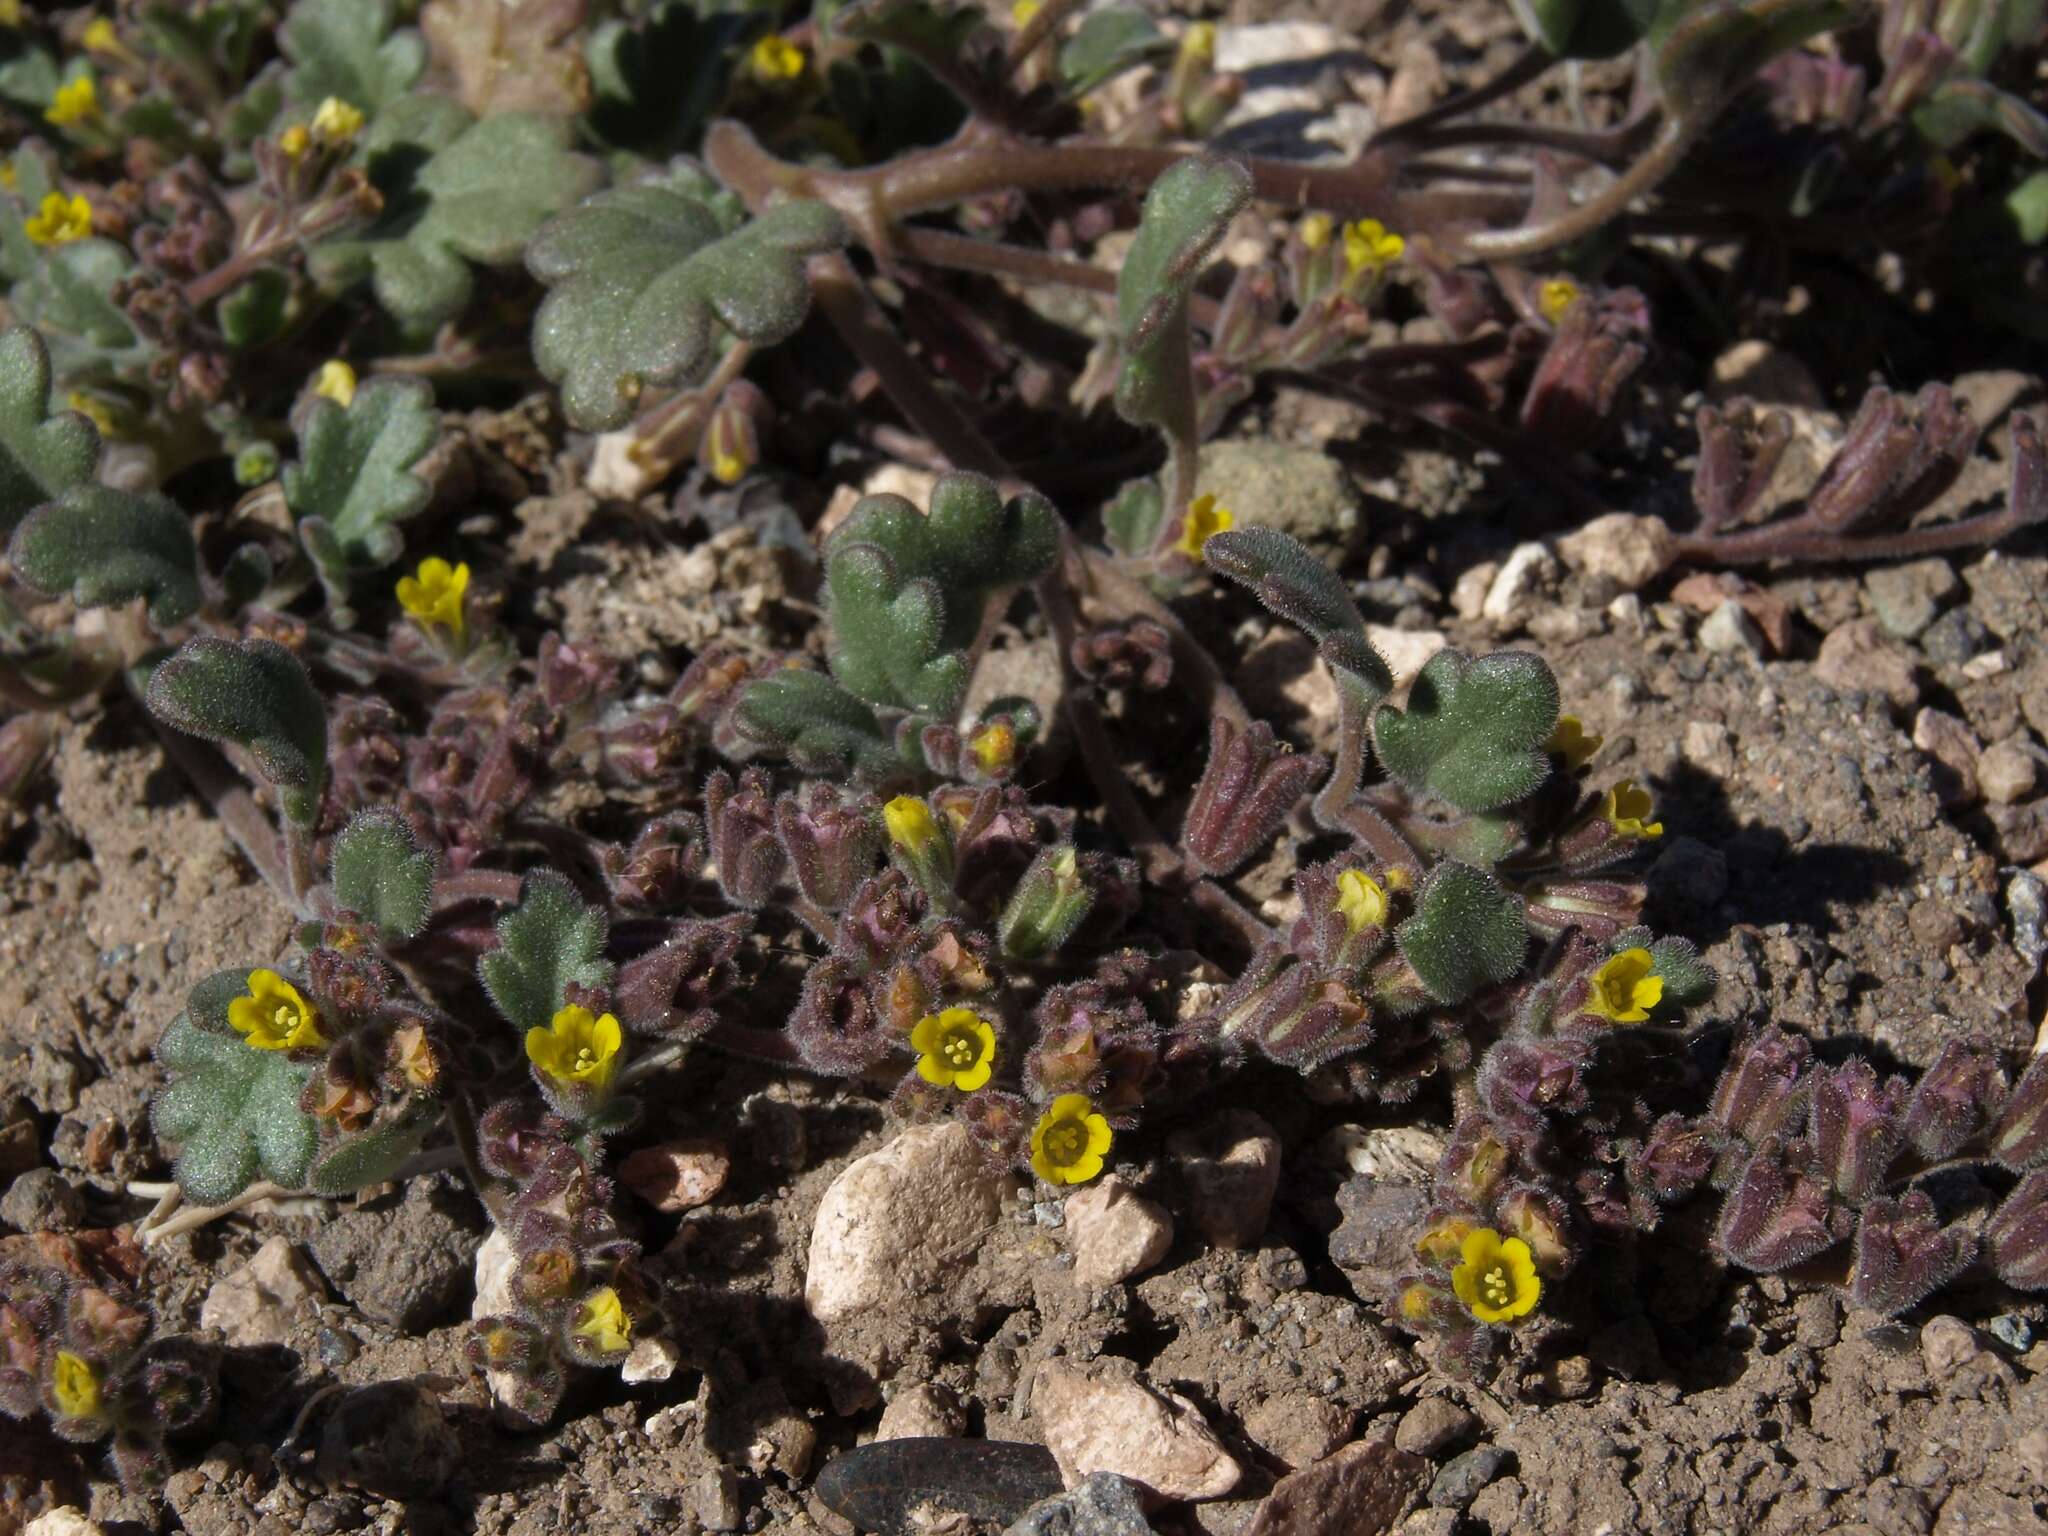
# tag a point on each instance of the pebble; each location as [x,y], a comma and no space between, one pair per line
[1270,484]
[1857,657]
[1954,746]
[1468,594]
[1458,1484]
[1298,1429]
[1405,650]
[1730,631]
[892,1222]
[923,1409]
[262,1302]
[1111,1424]
[1628,550]
[1947,1344]
[42,1200]
[1365,1489]
[651,1358]
[1233,1173]
[21,1148]
[678,1175]
[1114,1232]
[1529,571]
[1756,370]
[2026,901]
[1954,638]
[1433,1426]
[1691,873]
[2007,772]
[1907,598]
[1101,1505]
[406,1265]
[65,1520]
[1708,746]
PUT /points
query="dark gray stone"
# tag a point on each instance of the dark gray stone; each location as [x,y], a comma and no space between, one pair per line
[42,1200]
[1103,1505]
[1463,1476]
[408,1264]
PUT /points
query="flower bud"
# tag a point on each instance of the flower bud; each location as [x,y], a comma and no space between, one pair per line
[1760,1091]
[1903,1253]
[1046,907]
[1246,791]
[741,820]
[836,1025]
[2021,1140]
[1597,908]
[1856,1125]
[670,990]
[833,840]
[921,845]
[1780,1212]
[1540,1221]
[1673,1160]
[662,864]
[2017,1235]
[1955,1099]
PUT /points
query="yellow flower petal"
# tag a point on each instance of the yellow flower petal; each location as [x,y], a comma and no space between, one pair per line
[1497,1280]
[577,1047]
[336,123]
[433,597]
[1555,297]
[1625,808]
[272,1016]
[1070,1141]
[76,102]
[336,381]
[603,1320]
[775,60]
[1623,991]
[1571,741]
[1361,900]
[1204,521]
[910,824]
[60,219]
[75,1385]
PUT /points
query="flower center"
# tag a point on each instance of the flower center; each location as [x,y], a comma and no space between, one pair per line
[285,1018]
[960,1048]
[1496,1286]
[1620,992]
[1066,1142]
[585,1058]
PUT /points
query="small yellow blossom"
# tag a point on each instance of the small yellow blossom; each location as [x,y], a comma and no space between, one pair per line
[1623,991]
[578,1047]
[1444,1241]
[1204,521]
[1361,900]
[336,381]
[1069,1143]
[994,747]
[60,220]
[1555,297]
[77,102]
[956,1049]
[100,37]
[910,824]
[294,142]
[1573,742]
[776,60]
[1199,42]
[1498,1280]
[1415,1302]
[92,410]
[10,13]
[274,1017]
[1316,230]
[434,596]
[75,1385]
[336,123]
[1370,247]
[602,1319]
[1625,808]
[1398,878]
[10,178]
[1024,12]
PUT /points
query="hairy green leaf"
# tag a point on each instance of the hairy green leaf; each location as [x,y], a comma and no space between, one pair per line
[348,49]
[817,725]
[70,295]
[234,1108]
[43,452]
[1587,29]
[1466,932]
[658,80]
[105,546]
[256,694]
[381,873]
[353,484]
[1286,576]
[1473,731]
[372,1156]
[552,938]
[636,277]
[1109,42]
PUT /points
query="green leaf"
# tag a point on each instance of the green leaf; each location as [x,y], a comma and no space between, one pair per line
[353,483]
[71,292]
[1701,50]
[906,592]
[551,939]
[43,453]
[1108,43]
[371,1157]
[817,725]
[256,694]
[105,546]
[1285,575]
[656,82]
[347,48]
[1587,29]
[455,191]
[1186,215]
[1688,980]
[1958,110]
[636,277]
[1131,522]
[1466,932]
[253,312]
[381,874]
[2027,204]
[1473,731]
[234,1108]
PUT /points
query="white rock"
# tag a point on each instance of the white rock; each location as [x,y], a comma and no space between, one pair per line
[1404,1153]
[650,1359]
[1121,1426]
[1528,570]
[1629,550]
[1405,649]
[615,468]
[495,1262]
[925,1409]
[1114,1232]
[2007,771]
[1468,595]
[1729,630]
[260,1302]
[64,1520]
[898,1221]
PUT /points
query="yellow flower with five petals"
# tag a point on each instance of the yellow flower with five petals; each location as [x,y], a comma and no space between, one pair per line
[1370,247]
[1555,297]
[77,101]
[1627,808]
[336,381]
[603,1320]
[578,1047]
[956,1049]
[775,60]
[1497,1280]
[1361,899]
[433,597]
[272,1016]
[60,220]
[1624,990]
[1204,521]
[75,1386]
[1070,1141]
[1573,742]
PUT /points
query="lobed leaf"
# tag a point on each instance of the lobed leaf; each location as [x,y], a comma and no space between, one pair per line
[1186,215]
[43,452]
[1107,43]
[552,938]
[353,483]
[373,1156]
[348,49]
[1466,932]
[1474,731]
[234,1108]
[817,725]
[105,546]
[381,873]
[257,695]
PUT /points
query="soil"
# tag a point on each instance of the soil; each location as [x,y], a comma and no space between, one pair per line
[1830,869]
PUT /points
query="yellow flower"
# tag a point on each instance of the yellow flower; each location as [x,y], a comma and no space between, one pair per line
[1204,521]
[1199,42]
[273,1017]
[1369,247]
[60,220]
[1443,1242]
[577,1048]
[92,410]
[1498,1280]
[956,1049]
[1023,13]
[99,37]
[295,141]
[1316,230]
[994,747]
[1573,742]
[1557,296]
[602,1319]
[78,102]
[336,381]
[1625,807]
[776,60]
[1415,1302]
[1623,991]
[1068,1144]
[336,123]
[434,596]
[76,1386]
[1361,900]
[10,13]
[910,824]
